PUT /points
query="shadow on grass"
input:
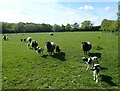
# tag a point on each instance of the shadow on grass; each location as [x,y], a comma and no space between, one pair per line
[107,79]
[103,68]
[44,56]
[98,48]
[60,56]
[95,54]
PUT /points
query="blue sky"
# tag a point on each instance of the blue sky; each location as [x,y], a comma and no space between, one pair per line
[58,12]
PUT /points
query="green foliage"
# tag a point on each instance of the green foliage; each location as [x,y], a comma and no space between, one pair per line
[23,68]
[86,25]
[75,26]
[106,25]
[57,28]
[68,27]
[109,25]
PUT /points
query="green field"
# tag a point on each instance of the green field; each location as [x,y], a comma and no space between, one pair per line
[23,68]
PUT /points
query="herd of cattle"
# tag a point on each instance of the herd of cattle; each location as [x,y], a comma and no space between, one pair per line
[50,47]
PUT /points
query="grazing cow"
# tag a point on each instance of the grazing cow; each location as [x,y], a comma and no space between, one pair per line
[50,47]
[51,34]
[90,61]
[24,40]
[29,39]
[5,38]
[57,49]
[86,46]
[32,44]
[21,40]
[39,50]
[96,70]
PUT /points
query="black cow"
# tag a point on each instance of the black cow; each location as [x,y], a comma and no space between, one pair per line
[86,46]
[57,49]
[50,47]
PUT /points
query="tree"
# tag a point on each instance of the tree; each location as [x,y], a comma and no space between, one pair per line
[109,25]
[68,27]
[57,28]
[75,26]
[45,27]
[86,25]
[63,28]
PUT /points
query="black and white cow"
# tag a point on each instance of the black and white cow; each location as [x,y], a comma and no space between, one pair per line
[39,50]
[29,39]
[51,34]
[96,71]
[86,46]
[5,38]
[90,61]
[33,44]
[50,46]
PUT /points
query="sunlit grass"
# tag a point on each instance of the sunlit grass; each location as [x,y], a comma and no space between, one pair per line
[25,69]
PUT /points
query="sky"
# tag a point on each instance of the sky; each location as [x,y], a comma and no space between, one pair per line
[58,11]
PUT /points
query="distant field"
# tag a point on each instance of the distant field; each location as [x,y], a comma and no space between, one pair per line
[23,68]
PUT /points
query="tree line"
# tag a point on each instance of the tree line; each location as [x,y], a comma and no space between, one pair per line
[110,25]
[21,27]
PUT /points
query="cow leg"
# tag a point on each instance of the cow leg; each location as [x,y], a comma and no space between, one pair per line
[96,78]
[87,67]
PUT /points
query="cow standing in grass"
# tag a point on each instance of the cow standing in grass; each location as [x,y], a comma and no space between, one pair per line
[50,46]
[96,71]
[39,50]
[29,39]
[86,46]
[33,44]
[57,49]
[5,38]
[51,34]
[90,61]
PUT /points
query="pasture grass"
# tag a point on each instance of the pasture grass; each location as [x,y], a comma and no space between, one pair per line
[23,68]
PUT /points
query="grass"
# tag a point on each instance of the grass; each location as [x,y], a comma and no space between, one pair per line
[25,69]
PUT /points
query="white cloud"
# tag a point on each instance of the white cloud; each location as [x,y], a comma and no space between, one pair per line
[107,8]
[86,7]
[47,12]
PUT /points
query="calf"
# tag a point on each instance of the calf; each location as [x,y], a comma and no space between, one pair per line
[21,40]
[57,49]
[39,50]
[90,61]
[24,40]
[96,70]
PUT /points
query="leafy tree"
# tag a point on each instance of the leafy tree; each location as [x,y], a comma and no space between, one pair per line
[45,27]
[57,28]
[68,27]
[86,25]
[75,26]
[109,25]
[30,27]
[63,28]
